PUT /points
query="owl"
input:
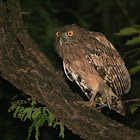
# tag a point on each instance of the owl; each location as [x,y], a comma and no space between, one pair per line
[95,65]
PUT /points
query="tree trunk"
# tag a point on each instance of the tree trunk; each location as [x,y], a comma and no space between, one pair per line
[22,64]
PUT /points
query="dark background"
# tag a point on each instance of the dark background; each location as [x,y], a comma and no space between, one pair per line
[105,16]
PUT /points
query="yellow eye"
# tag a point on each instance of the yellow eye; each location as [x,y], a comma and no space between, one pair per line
[70,33]
[58,34]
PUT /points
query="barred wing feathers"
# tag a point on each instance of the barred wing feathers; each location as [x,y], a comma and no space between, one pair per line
[108,63]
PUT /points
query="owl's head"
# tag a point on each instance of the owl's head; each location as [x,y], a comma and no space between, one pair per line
[67,34]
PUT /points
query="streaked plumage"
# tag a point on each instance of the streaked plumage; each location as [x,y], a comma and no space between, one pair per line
[94,64]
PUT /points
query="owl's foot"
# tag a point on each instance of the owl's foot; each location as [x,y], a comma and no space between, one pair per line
[91,102]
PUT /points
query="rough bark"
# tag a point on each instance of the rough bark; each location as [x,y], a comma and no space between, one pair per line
[22,64]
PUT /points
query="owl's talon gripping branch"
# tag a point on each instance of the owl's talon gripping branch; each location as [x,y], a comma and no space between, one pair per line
[90,103]
[95,65]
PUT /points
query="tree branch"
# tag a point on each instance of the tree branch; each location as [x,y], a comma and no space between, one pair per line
[22,64]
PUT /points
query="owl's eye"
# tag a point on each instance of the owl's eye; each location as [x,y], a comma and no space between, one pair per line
[70,33]
[58,34]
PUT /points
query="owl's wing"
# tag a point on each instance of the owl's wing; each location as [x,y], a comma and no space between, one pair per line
[108,63]
[67,72]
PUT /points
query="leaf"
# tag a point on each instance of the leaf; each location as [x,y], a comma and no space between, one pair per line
[33,103]
[30,131]
[16,111]
[132,30]
[134,107]
[136,27]
[41,120]
[134,41]
[50,120]
[134,70]
[61,134]
[37,133]
[55,124]
[28,112]
[13,107]
[33,125]
[138,62]
[36,113]
[21,113]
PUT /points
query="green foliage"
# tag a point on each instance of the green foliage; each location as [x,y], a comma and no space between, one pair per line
[134,107]
[131,31]
[38,115]
[134,41]
[134,70]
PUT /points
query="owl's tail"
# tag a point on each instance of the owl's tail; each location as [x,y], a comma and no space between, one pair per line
[116,103]
[119,107]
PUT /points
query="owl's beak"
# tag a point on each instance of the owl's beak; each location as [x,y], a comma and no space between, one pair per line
[61,41]
[63,38]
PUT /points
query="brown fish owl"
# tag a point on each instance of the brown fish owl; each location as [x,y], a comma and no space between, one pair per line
[95,65]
